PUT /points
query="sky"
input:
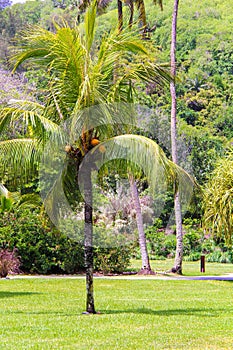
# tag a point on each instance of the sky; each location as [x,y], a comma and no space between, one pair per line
[16,1]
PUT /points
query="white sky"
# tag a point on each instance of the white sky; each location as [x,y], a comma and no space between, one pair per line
[16,1]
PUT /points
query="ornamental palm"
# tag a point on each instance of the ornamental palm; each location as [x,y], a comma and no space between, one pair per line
[218,200]
[82,77]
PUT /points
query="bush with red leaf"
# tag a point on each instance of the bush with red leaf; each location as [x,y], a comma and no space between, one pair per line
[9,262]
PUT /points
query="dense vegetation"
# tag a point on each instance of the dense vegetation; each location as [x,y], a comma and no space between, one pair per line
[205,108]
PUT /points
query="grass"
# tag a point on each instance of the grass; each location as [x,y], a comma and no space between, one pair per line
[46,313]
[190,268]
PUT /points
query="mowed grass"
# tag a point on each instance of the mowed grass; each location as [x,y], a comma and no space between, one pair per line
[190,268]
[46,313]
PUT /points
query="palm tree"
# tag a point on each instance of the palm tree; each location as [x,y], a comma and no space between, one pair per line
[142,15]
[146,268]
[177,268]
[218,200]
[81,78]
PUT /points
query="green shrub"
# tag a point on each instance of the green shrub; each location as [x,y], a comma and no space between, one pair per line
[157,257]
[170,245]
[115,259]
[43,249]
[208,246]
[220,257]
[195,256]
[192,242]
[112,251]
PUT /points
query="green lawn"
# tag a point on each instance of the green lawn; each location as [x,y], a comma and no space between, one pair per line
[189,268]
[45,313]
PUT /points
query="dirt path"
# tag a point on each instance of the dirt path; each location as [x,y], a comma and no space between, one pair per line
[158,276]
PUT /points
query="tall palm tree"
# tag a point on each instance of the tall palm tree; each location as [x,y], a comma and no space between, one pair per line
[177,268]
[81,77]
[145,268]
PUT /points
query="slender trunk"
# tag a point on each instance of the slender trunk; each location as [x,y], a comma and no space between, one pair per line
[146,268]
[177,204]
[131,8]
[142,17]
[88,244]
[120,15]
[120,27]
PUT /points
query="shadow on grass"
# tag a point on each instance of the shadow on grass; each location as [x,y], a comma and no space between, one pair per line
[171,312]
[6,294]
[143,311]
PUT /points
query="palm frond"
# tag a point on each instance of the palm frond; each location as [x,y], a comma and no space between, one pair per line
[29,200]
[19,156]
[89,23]
[14,196]
[34,43]
[31,115]
[147,155]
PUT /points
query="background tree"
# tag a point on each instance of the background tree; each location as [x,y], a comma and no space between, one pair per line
[177,202]
[4,4]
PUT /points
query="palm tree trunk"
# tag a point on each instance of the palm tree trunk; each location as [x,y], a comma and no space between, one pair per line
[146,268]
[177,204]
[131,8]
[120,15]
[142,17]
[88,244]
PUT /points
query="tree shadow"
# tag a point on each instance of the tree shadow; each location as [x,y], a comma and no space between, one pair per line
[167,313]
[52,313]
[145,311]
[7,294]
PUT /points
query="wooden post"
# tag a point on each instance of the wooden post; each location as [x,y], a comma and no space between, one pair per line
[202,263]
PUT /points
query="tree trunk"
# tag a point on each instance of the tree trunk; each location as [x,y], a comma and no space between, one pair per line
[120,15]
[88,244]
[131,9]
[146,269]
[177,205]
[142,17]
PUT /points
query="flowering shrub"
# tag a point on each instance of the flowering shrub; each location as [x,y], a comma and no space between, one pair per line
[9,262]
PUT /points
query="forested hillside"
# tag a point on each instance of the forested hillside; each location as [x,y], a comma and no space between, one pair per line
[204,106]
[204,60]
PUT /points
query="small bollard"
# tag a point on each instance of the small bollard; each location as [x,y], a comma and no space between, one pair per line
[202,263]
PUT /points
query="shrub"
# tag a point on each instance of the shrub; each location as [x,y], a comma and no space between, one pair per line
[208,246]
[170,245]
[192,242]
[9,262]
[195,256]
[113,250]
[43,249]
[220,257]
[115,259]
